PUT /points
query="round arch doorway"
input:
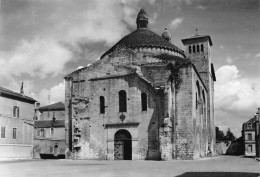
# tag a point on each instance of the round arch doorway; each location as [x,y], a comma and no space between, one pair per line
[122,145]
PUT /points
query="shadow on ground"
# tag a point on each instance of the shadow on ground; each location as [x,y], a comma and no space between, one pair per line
[218,174]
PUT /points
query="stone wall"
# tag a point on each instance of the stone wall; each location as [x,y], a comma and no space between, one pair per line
[190,132]
[173,126]
[45,146]
[142,125]
[222,146]
[202,62]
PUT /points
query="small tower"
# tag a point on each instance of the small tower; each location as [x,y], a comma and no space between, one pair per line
[142,19]
[166,35]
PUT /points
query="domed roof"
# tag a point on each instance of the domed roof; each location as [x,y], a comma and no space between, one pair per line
[166,34]
[143,37]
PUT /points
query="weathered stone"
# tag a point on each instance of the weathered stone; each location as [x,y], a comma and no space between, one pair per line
[173,122]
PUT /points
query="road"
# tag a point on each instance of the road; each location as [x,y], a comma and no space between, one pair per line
[222,166]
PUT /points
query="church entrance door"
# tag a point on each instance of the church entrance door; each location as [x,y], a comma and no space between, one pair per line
[122,145]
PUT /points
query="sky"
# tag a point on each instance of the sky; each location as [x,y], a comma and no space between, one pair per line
[43,40]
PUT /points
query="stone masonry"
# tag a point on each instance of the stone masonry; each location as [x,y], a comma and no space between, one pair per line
[143,99]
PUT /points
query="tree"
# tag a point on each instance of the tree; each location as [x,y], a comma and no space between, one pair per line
[230,136]
[219,134]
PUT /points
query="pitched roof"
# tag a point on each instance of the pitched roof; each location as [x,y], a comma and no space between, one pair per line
[143,37]
[49,123]
[252,120]
[196,37]
[59,106]
[15,95]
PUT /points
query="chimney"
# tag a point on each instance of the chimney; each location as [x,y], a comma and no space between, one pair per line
[21,89]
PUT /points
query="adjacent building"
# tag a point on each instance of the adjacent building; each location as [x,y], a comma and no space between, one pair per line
[257,133]
[49,135]
[249,133]
[16,122]
[145,98]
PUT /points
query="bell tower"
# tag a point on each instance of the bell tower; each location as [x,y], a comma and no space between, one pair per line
[198,50]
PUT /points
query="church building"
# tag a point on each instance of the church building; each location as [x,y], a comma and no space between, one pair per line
[145,98]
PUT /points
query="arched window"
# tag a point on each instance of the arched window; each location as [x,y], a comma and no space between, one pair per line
[198,48]
[42,132]
[194,49]
[197,94]
[122,101]
[144,101]
[202,48]
[198,88]
[204,102]
[203,95]
[189,49]
[102,104]
[196,100]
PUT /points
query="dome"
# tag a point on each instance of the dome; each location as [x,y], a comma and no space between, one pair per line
[166,34]
[143,37]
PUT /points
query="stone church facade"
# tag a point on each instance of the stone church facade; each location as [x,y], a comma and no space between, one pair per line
[143,99]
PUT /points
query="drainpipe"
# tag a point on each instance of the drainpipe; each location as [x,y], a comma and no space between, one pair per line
[157,91]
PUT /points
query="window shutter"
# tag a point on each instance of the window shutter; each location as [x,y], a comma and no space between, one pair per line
[18,111]
[14,111]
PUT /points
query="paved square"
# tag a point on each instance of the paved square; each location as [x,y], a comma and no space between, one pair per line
[223,166]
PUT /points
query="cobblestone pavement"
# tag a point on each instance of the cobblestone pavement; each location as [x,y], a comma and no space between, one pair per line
[222,166]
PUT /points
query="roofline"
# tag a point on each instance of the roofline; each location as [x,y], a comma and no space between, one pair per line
[46,107]
[197,37]
[111,49]
[49,121]
[56,109]
[16,96]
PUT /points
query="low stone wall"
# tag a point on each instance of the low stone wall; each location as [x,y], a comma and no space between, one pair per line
[16,151]
[222,146]
[43,146]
